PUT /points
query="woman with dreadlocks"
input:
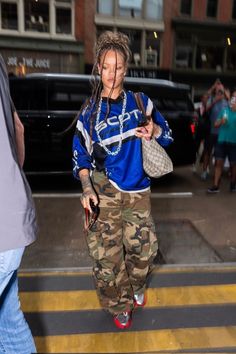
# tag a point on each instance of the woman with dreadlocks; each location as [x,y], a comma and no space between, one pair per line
[107,158]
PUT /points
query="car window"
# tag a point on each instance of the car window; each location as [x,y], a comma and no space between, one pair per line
[158,103]
[176,104]
[29,94]
[66,95]
[165,98]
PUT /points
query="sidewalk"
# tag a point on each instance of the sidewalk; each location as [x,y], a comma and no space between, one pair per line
[192,229]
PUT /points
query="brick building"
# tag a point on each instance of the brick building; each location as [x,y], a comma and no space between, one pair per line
[192,41]
[39,35]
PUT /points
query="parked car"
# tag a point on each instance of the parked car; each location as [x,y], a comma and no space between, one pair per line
[48,103]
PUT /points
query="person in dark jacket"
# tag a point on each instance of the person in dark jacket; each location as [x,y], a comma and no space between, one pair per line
[203,128]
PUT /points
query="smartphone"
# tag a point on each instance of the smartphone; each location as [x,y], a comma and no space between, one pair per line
[144,121]
[90,218]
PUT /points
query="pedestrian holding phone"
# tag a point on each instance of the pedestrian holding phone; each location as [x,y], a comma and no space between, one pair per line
[107,157]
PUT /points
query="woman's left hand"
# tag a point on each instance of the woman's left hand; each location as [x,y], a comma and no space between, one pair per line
[145,131]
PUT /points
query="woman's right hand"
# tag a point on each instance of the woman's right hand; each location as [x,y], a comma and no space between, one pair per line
[89,194]
[87,197]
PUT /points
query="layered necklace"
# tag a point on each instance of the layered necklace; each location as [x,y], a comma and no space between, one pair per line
[120,119]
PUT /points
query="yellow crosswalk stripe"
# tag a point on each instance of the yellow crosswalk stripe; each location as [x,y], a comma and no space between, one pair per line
[198,299]
[146,341]
[158,270]
[41,301]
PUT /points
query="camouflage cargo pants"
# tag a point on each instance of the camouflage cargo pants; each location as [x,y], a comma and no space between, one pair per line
[122,243]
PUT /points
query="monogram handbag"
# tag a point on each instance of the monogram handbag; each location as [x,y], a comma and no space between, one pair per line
[156,161]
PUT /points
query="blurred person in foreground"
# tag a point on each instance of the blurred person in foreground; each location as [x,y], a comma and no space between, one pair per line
[107,151]
[216,102]
[226,145]
[17,224]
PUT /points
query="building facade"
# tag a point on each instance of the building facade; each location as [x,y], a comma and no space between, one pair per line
[204,49]
[191,41]
[40,35]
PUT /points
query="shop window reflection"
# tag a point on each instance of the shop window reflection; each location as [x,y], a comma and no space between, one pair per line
[209,58]
[183,56]
[63,21]
[152,48]
[105,7]
[154,9]
[130,8]
[231,59]
[36,16]
[9,16]
[135,42]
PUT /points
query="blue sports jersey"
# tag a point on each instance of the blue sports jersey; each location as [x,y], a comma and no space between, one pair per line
[124,170]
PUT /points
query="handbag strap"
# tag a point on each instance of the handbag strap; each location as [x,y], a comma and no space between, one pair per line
[139,102]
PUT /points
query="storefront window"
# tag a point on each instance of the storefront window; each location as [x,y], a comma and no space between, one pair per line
[9,16]
[63,20]
[152,51]
[231,58]
[130,8]
[36,15]
[209,57]
[135,44]
[183,56]
[154,9]
[105,7]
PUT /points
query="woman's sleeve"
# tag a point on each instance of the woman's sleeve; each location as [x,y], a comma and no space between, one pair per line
[82,148]
[165,137]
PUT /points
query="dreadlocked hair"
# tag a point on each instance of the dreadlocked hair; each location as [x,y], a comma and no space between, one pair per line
[108,40]
[116,41]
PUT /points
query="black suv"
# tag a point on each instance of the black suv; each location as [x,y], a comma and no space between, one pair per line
[48,103]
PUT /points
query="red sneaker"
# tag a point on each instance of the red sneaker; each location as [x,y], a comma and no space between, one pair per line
[140,300]
[123,320]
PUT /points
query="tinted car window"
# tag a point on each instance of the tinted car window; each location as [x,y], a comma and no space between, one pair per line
[66,95]
[165,98]
[48,104]
[175,104]
[29,94]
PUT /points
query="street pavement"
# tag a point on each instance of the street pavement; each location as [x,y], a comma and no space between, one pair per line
[188,310]
[193,227]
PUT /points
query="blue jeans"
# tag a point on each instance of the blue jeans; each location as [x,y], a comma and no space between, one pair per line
[15,335]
